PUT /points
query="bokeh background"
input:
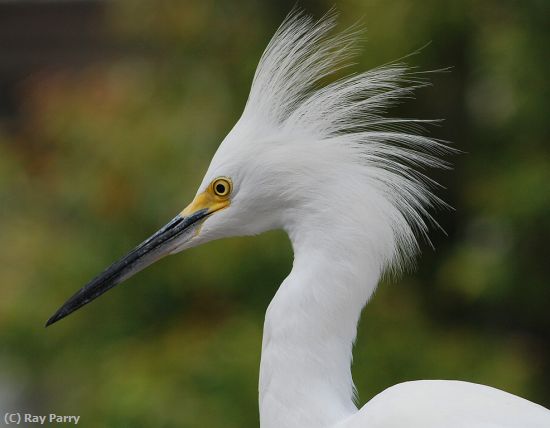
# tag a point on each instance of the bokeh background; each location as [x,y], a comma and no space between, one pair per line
[109,114]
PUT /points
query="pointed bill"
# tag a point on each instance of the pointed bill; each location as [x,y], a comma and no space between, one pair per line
[160,244]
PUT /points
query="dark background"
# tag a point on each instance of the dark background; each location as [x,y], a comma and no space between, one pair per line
[109,115]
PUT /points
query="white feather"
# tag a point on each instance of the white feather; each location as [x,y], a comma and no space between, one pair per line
[345,119]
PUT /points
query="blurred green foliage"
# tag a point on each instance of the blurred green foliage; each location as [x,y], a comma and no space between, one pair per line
[107,153]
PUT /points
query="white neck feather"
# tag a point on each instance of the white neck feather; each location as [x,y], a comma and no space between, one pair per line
[310,327]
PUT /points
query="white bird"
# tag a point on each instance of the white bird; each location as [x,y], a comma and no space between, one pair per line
[326,166]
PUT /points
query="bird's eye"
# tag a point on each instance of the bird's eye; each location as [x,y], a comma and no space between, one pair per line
[222,186]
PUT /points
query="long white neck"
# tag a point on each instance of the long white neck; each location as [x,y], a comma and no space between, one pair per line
[310,327]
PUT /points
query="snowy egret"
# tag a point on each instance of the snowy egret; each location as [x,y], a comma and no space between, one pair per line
[325,165]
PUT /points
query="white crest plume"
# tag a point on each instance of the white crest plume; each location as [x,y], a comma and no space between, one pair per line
[348,115]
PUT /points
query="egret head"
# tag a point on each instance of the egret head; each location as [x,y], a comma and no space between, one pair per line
[257,183]
[302,156]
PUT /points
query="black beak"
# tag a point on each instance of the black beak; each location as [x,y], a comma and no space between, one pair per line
[157,246]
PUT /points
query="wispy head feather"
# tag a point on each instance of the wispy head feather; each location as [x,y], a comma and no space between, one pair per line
[347,117]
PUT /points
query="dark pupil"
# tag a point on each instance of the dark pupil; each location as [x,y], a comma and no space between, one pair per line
[220,188]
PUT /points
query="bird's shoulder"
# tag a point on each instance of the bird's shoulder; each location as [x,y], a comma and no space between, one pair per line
[449,404]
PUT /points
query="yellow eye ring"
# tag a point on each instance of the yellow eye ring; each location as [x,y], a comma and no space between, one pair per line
[222,187]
